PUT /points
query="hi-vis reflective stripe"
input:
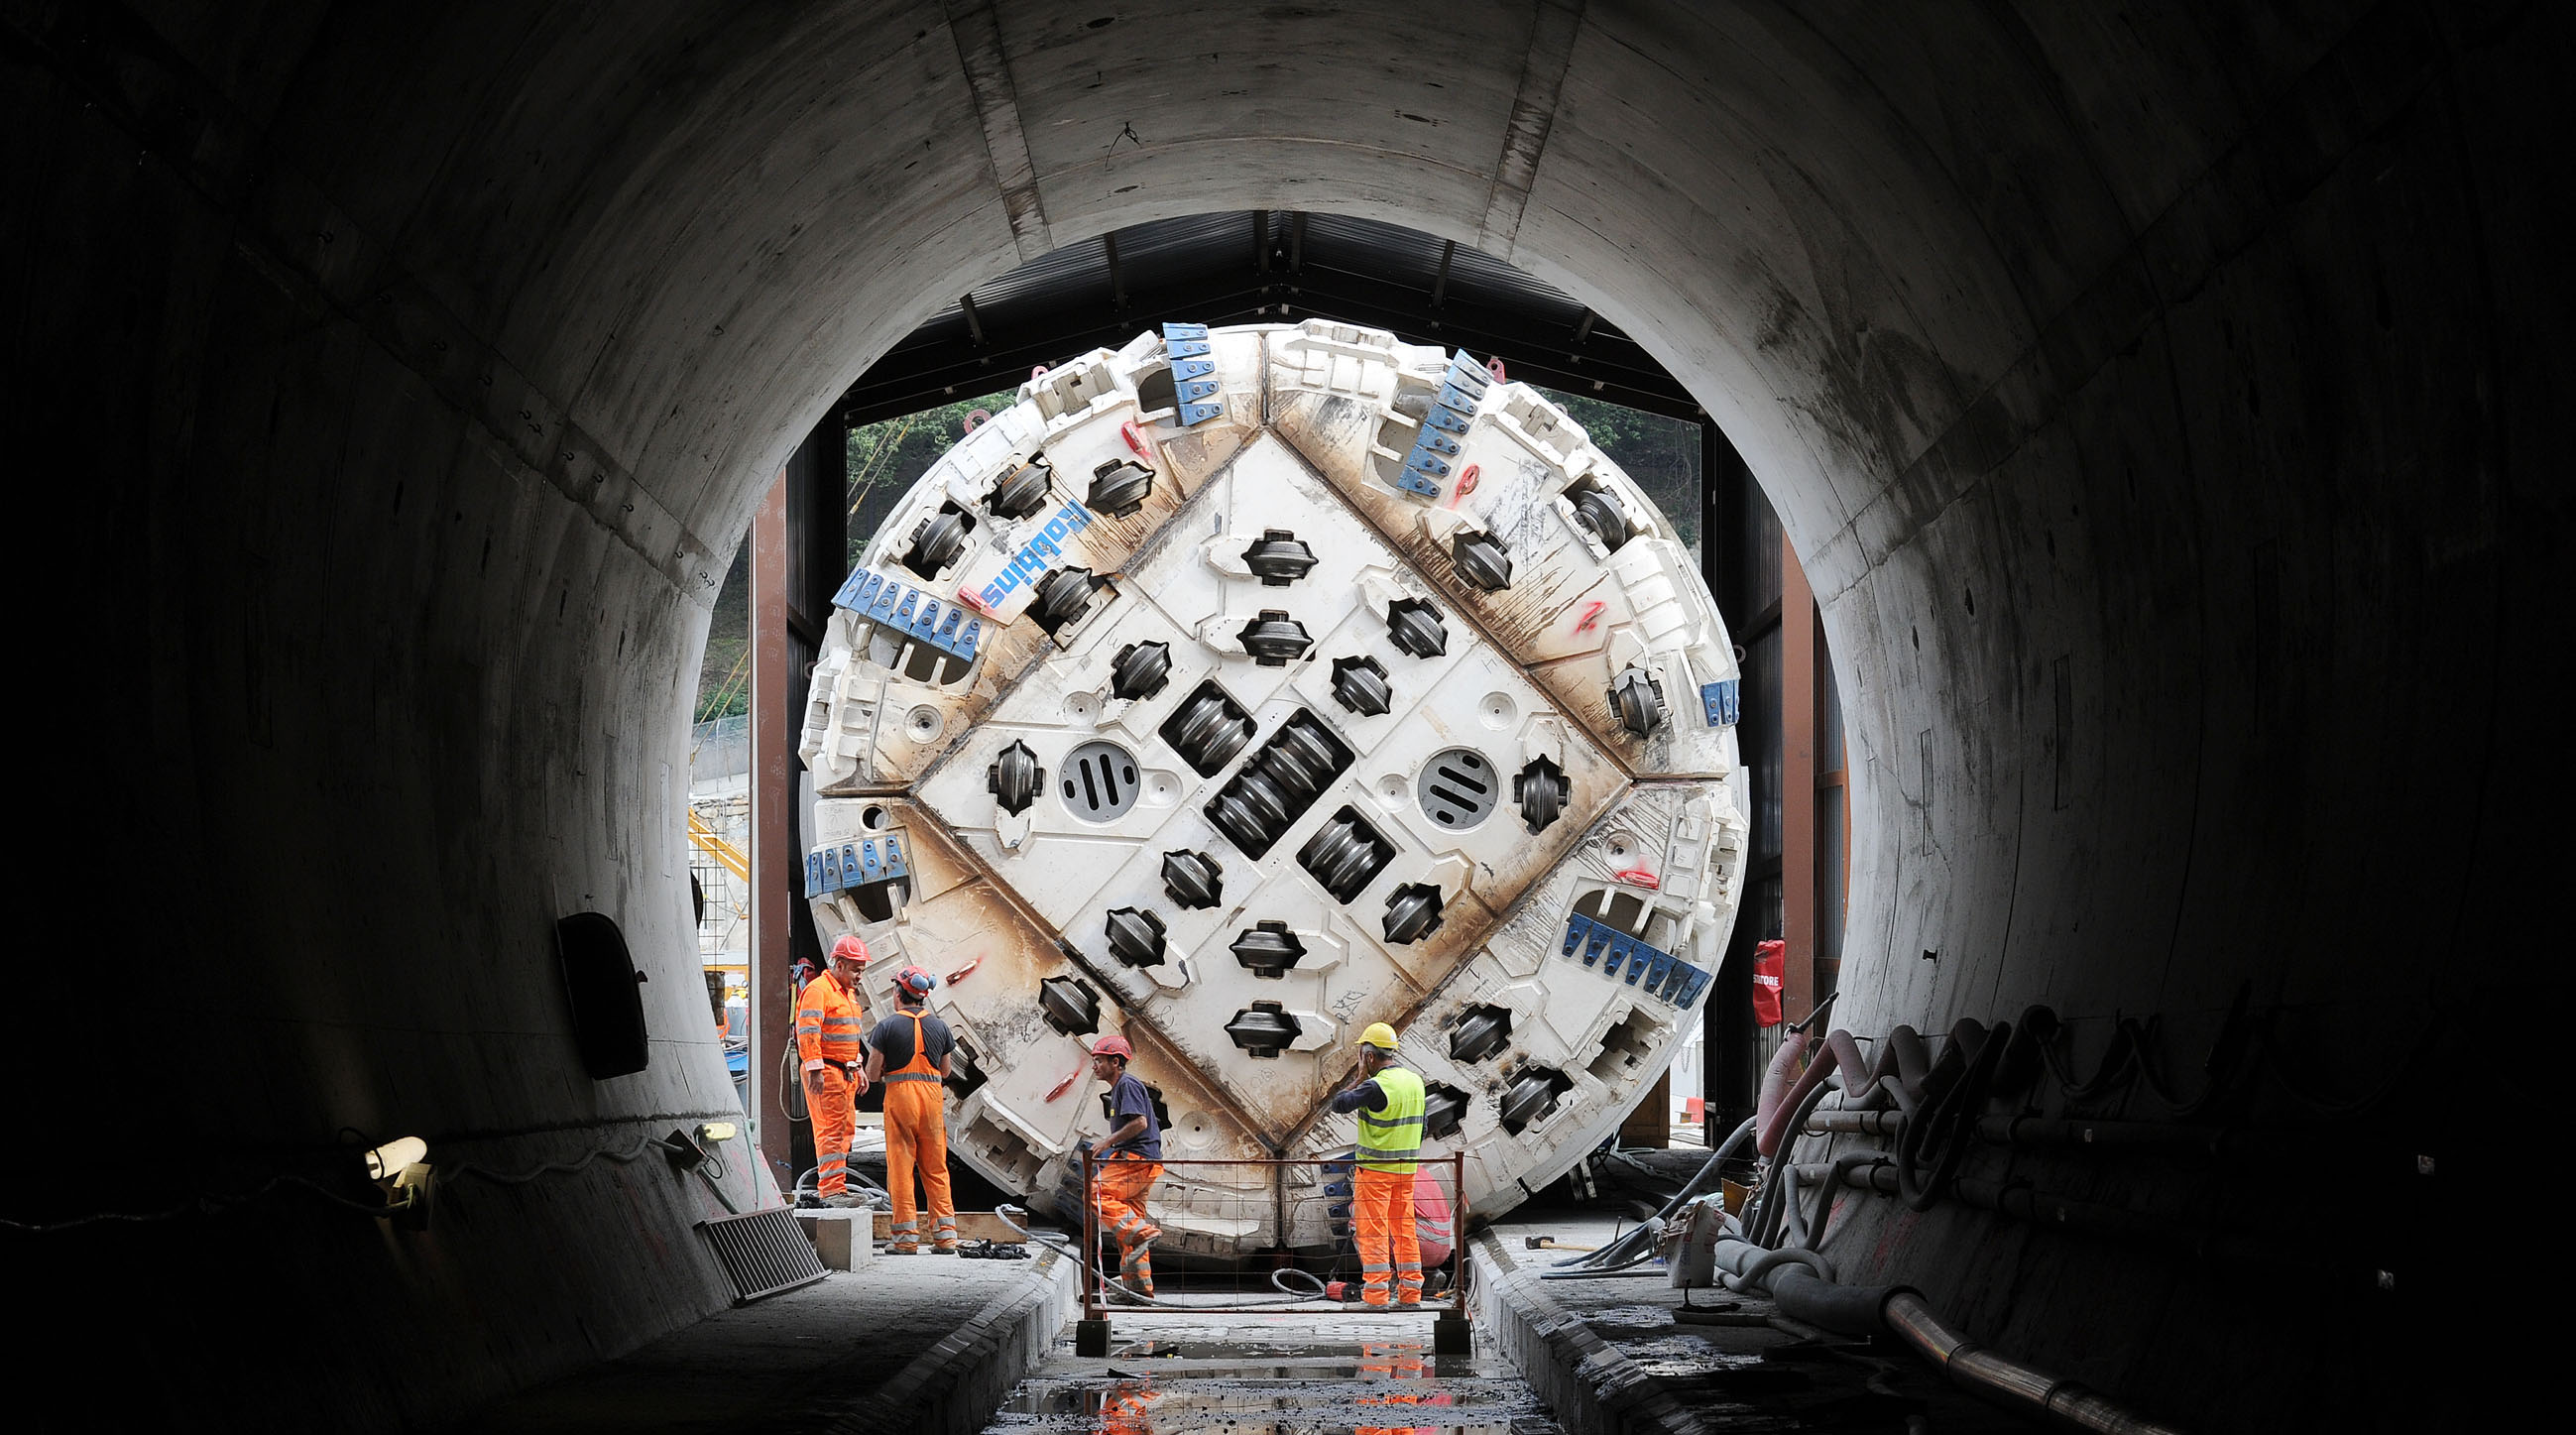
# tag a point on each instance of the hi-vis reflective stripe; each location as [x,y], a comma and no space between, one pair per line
[911,1076]
[911,1225]
[1389,1153]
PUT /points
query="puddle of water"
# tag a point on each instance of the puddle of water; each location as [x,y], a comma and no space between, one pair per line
[1203,1386]
[1241,1390]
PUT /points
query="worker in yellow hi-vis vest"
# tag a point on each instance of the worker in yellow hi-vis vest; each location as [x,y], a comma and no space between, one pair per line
[1390,1102]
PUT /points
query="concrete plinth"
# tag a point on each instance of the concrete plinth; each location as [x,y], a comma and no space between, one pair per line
[906,1347]
[838,1237]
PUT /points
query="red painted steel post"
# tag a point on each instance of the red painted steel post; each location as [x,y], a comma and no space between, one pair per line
[1798,786]
[1458,1233]
[1090,1244]
[775,856]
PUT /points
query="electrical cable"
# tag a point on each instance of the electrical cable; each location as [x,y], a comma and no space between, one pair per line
[1277,1280]
[1588,1272]
[551,1168]
[1766,1212]
[211,1205]
[2226,1063]
[788,1088]
[1844,1165]
[1004,1211]
[1691,1189]
[1954,1111]
[201,1205]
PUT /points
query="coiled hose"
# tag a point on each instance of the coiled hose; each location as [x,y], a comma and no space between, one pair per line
[1005,1212]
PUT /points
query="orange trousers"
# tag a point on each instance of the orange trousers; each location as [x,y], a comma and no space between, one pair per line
[1390,1247]
[1397,1362]
[836,1119]
[1118,1186]
[916,1130]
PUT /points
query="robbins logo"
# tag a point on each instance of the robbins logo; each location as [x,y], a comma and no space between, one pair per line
[1033,556]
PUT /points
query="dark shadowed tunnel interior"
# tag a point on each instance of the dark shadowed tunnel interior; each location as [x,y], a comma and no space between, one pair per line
[2159,398]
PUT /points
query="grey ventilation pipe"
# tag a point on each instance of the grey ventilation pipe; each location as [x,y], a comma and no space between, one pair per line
[2007,1382]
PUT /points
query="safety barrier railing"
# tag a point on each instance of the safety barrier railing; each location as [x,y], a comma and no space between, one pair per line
[1442,1175]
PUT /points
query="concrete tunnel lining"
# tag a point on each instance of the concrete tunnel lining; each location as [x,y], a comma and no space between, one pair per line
[445,352]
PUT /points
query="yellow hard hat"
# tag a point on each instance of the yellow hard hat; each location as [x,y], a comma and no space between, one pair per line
[1379,1035]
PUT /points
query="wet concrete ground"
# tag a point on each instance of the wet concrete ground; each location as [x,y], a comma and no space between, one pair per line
[886,1350]
[1177,1372]
[1729,1362]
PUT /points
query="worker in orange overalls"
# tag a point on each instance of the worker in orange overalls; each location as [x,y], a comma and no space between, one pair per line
[910,1051]
[1131,1158]
[831,1030]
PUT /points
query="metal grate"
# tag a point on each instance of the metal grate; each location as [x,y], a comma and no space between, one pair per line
[1457,788]
[1099,781]
[763,1252]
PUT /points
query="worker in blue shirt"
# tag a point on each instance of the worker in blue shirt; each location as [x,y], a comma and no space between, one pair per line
[1131,1158]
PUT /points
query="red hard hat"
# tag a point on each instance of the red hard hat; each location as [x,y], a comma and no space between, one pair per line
[915,980]
[1112,1046]
[850,948]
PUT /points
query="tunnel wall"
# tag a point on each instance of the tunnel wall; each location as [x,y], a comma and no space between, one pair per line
[2156,398]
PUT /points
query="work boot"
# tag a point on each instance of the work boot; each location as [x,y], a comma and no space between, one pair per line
[907,1246]
[944,1248]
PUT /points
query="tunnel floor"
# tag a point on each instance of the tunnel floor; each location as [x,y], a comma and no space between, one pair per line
[1730,1364]
[1170,1372]
[832,1357]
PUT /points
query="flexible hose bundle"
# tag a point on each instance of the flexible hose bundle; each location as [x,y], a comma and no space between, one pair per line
[1638,1246]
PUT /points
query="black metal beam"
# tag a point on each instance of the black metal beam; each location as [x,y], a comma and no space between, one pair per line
[979,350]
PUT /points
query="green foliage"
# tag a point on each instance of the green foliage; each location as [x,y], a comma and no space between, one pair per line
[724,677]
[886,457]
[1661,454]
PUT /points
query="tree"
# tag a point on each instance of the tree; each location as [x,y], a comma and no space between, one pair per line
[1661,454]
[887,457]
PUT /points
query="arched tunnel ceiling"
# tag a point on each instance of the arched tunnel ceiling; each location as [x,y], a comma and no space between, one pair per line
[2158,397]
[1255,268]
